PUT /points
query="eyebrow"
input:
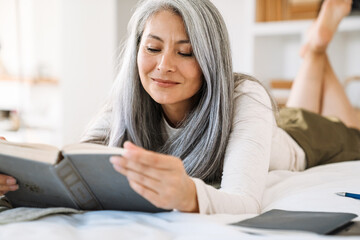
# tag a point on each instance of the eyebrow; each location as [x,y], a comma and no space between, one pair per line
[159,39]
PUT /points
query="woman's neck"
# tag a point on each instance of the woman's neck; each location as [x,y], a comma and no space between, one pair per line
[174,115]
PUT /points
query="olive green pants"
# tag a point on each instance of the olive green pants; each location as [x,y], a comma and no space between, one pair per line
[323,140]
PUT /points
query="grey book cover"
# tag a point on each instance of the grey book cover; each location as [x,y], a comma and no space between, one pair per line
[317,222]
[79,180]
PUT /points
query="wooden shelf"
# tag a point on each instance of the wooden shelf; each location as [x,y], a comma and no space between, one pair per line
[31,81]
[298,27]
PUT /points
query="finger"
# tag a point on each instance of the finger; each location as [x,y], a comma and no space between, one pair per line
[149,158]
[148,194]
[9,188]
[148,182]
[127,164]
[130,145]
[120,169]
[141,155]
[7,180]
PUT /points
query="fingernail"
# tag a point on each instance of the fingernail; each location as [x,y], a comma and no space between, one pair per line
[115,159]
[14,187]
[10,181]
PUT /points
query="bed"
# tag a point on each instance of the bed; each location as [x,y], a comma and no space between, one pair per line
[311,190]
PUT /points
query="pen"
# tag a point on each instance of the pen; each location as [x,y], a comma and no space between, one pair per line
[351,195]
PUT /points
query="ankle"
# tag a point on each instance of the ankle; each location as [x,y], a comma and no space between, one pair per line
[314,48]
[321,40]
[311,55]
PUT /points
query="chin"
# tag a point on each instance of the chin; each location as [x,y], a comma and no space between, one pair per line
[163,101]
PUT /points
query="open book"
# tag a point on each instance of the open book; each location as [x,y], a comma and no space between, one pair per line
[79,176]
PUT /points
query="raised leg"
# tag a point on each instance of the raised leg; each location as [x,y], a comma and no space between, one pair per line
[335,101]
[316,87]
[307,88]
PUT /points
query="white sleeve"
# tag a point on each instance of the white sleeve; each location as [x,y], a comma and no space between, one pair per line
[247,156]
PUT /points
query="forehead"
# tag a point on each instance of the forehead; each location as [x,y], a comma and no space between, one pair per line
[165,22]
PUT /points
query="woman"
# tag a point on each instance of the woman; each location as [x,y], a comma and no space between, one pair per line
[188,123]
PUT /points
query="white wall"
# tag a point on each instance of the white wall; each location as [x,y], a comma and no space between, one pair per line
[8,36]
[47,18]
[88,53]
[238,16]
[32,32]
[29,34]
[125,9]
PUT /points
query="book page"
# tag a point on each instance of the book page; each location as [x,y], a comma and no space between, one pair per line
[91,148]
[30,151]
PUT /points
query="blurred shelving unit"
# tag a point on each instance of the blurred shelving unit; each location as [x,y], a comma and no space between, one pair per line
[269,50]
[29,111]
[276,45]
[72,41]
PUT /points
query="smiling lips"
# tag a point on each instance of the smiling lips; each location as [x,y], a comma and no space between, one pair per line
[164,83]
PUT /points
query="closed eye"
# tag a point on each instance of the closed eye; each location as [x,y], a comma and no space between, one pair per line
[153,50]
[186,54]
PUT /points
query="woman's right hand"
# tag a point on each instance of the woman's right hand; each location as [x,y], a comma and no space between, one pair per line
[7,183]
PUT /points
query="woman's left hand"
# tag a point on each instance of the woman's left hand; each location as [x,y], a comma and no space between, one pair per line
[159,178]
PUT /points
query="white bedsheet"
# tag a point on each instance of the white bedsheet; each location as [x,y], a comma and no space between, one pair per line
[313,189]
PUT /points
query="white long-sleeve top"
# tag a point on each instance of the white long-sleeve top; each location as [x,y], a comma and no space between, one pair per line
[256,145]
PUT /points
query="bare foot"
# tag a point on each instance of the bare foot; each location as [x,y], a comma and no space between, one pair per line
[324,28]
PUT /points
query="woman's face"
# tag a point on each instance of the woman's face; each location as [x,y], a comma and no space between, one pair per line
[167,67]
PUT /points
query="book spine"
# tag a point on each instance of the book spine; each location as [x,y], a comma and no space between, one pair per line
[77,187]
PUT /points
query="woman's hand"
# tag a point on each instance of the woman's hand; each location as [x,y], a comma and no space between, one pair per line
[159,178]
[7,183]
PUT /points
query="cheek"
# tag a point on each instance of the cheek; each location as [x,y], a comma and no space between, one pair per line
[145,63]
[193,72]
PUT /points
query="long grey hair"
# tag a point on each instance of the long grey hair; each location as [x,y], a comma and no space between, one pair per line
[131,114]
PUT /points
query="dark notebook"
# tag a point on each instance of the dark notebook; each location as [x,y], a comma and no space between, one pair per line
[355,5]
[317,222]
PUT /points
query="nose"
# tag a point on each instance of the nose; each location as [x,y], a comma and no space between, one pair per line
[166,63]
